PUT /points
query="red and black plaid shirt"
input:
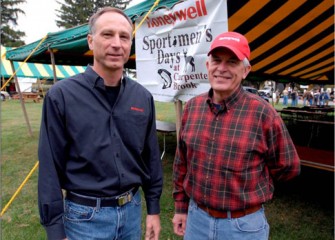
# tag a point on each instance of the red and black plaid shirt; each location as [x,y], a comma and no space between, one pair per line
[227,158]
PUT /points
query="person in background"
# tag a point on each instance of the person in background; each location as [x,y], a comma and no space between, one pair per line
[316,96]
[294,97]
[233,146]
[310,98]
[327,97]
[304,98]
[98,145]
[277,94]
[12,89]
[285,97]
[307,98]
[322,98]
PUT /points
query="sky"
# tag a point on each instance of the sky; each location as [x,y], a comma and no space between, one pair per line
[40,18]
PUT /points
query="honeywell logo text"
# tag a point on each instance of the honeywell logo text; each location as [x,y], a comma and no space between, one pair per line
[230,38]
[192,12]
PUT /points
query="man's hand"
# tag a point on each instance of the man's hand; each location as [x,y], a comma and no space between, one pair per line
[179,224]
[153,227]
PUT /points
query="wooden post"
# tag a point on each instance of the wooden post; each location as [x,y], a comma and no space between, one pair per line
[53,62]
[21,100]
[179,110]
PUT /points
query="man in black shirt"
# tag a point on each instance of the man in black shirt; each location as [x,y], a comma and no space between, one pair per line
[98,145]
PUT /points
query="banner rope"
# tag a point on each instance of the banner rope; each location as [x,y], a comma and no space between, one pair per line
[146,15]
[19,189]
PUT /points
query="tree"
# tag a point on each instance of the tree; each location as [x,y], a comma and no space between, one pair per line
[83,9]
[9,17]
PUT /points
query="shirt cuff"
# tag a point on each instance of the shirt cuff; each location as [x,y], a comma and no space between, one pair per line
[153,207]
[181,207]
[55,232]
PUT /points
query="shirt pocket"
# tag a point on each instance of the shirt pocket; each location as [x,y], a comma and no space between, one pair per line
[133,128]
[237,159]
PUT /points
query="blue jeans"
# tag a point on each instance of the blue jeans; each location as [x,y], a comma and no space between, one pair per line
[98,223]
[201,226]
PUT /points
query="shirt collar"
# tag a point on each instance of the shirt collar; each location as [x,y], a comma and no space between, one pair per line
[95,80]
[228,103]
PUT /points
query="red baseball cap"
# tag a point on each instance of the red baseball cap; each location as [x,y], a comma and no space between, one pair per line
[234,41]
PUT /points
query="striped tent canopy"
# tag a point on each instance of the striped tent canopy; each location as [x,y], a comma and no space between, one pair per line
[291,41]
[35,70]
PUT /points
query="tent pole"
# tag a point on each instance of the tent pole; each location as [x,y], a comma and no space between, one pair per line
[179,110]
[21,100]
[52,56]
[39,86]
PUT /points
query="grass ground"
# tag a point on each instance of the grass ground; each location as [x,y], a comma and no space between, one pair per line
[302,209]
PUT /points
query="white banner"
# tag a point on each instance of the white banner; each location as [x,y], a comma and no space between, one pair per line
[172,45]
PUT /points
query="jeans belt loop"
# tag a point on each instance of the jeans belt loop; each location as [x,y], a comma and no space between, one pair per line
[98,204]
[229,214]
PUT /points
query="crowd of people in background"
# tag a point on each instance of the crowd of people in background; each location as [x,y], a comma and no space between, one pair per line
[314,97]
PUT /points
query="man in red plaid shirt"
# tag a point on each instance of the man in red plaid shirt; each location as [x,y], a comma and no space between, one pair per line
[232,147]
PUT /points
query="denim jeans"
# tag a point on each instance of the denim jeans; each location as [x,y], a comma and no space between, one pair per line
[98,223]
[201,226]
[285,100]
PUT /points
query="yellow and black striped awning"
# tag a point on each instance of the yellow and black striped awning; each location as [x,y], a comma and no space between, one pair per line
[292,39]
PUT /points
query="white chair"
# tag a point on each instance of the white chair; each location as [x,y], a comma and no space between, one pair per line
[165,128]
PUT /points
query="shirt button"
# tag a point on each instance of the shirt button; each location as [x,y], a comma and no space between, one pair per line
[117,155]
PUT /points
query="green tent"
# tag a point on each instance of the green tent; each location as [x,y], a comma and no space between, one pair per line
[70,46]
[291,41]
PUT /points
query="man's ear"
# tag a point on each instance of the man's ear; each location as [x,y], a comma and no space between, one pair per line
[89,41]
[247,69]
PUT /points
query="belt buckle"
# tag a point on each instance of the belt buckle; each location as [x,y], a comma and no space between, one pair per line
[122,200]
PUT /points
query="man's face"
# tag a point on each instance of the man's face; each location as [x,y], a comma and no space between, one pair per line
[111,41]
[225,71]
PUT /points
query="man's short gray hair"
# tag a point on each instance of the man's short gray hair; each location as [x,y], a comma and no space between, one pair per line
[246,62]
[95,16]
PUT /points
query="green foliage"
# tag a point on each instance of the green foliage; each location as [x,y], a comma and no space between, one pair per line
[9,17]
[83,9]
[301,209]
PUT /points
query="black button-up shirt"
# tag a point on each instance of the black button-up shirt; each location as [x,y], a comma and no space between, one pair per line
[93,148]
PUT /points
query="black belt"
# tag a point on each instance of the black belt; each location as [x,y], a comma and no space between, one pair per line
[117,201]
